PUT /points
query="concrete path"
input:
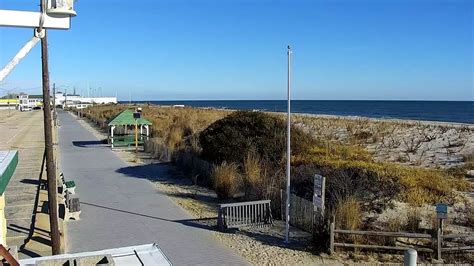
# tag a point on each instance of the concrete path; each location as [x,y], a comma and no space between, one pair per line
[122,209]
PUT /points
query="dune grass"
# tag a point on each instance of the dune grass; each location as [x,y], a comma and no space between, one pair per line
[176,129]
[418,185]
[227,180]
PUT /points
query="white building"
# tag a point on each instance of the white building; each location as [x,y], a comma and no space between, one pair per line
[26,101]
[76,101]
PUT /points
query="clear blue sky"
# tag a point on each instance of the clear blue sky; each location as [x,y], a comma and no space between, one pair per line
[225,49]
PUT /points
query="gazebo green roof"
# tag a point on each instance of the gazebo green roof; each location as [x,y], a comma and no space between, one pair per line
[8,163]
[125,118]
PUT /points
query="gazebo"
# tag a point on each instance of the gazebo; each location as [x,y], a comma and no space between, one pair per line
[122,129]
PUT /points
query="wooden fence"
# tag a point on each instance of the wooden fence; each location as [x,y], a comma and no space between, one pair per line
[442,238]
[242,214]
[435,241]
[301,212]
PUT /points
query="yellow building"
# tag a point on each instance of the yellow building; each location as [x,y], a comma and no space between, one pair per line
[9,103]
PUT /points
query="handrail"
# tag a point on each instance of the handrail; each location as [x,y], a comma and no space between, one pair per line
[457,236]
[392,234]
[381,247]
[243,203]
[465,248]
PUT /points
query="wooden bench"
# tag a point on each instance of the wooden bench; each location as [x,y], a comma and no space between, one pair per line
[244,214]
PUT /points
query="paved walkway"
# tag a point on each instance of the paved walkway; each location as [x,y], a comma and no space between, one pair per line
[121,210]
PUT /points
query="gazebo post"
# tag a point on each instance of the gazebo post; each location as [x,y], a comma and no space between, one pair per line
[112,135]
[147,131]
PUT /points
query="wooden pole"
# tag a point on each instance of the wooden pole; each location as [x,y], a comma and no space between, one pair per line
[136,139]
[331,237]
[48,139]
[439,240]
[54,105]
[8,257]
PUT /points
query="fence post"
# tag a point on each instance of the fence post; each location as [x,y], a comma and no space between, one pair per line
[282,205]
[439,239]
[219,218]
[331,237]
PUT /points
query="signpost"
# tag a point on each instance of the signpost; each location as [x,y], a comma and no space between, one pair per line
[318,203]
[318,196]
[442,211]
[441,214]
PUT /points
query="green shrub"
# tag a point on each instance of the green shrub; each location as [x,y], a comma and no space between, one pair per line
[233,137]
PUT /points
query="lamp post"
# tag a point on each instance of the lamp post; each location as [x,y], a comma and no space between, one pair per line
[288,152]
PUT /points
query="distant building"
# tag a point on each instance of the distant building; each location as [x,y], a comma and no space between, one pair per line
[29,101]
[25,102]
[76,101]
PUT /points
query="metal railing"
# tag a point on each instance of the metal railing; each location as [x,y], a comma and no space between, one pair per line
[243,214]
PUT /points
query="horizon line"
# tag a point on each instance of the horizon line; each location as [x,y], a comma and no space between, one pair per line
[254,100]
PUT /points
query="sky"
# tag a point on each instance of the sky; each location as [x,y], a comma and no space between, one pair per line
[236,49]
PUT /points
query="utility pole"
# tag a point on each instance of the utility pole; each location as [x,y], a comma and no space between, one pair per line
[288,153]
[55,117]
[49,152]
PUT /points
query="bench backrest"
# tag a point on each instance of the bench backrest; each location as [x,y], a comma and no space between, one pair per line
[74,205]
[242,214]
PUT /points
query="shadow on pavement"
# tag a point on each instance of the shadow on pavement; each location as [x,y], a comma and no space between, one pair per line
[30,181]
[203,223]
[153,172]
[162,172]
[89,143]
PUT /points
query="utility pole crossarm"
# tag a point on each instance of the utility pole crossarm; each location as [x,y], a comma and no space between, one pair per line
[28,19]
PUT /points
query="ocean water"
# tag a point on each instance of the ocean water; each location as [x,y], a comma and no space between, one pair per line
[447,111]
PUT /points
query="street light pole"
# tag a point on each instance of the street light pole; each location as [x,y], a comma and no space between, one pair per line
[288,152]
